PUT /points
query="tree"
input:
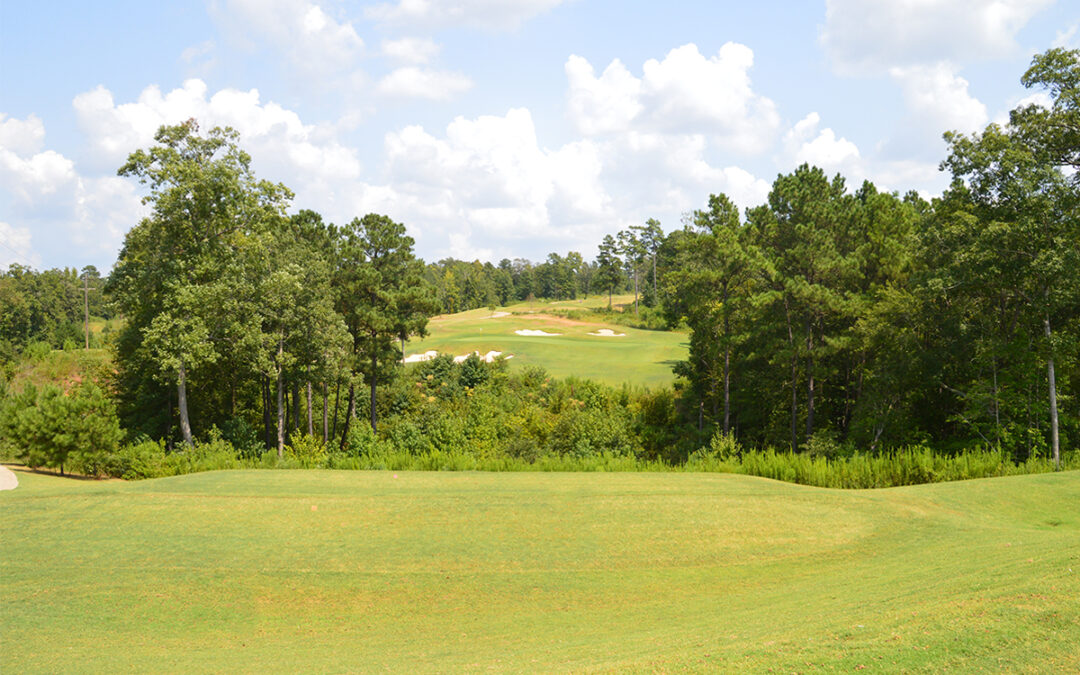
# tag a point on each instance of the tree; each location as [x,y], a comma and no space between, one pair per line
[177,263]
[633,252]
[1019,239]
[717,268]
[652,237]
[51,428]
[382,297]
[608,266]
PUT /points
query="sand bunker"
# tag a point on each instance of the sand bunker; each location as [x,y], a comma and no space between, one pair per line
[8,480]
[429,355]
[536,333]
[498,315]
[607,332]
[486,358]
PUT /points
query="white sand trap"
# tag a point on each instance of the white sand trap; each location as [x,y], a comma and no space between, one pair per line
[498,315]
[417,358]
[607,332]
[486,358]
[528,332]
[8,480]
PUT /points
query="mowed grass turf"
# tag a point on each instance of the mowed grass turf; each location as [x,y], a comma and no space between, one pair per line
[641,357]
[318,571]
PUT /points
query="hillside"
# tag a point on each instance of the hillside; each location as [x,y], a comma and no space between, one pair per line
[578,342]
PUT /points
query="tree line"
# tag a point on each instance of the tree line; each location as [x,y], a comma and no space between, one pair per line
[825,320]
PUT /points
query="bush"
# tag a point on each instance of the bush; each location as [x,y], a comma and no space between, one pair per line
[309,451]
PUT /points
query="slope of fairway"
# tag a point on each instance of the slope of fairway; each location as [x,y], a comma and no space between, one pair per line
[638,357]
[276,571]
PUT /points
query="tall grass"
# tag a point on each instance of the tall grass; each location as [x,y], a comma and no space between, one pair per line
[909,466]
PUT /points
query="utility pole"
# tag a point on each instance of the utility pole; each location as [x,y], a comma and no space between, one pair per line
[86,305]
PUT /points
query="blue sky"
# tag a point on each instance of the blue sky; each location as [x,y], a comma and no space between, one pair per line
[496,128]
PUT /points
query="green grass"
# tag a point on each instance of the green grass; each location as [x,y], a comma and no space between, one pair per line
[642,357]
[317,571]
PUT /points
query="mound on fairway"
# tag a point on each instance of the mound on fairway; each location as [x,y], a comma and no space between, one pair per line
[444,572]
[637,357]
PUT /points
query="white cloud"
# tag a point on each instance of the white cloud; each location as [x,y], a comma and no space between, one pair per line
[490,14]
[410,50]
[939,98]
[413,82]
[49,192]
[486,186]
[312,41]
[684,93]
[15,247]
[284,148]
[21,136]
[604,104]
[870,37]
[807,144]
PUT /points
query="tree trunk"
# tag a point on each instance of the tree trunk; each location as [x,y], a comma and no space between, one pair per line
[635,291]
[794,381]
[310,428]
[295,407]
[374,364]
[727,391]
[268,424]
[337,403]
[325,415]
[86,300]
[348,414]
[727,369]
[654,291]
[181,394]
[997,411]
[1054,439]
[809,381]
[280,400]
[609,298]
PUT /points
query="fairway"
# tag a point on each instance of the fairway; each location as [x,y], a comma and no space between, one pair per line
[643,357]
[318,571]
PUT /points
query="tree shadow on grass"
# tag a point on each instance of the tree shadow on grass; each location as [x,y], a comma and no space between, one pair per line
[42,471]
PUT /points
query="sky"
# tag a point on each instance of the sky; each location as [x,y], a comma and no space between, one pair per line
[496,128]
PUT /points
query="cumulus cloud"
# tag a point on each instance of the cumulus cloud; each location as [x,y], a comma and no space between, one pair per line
[21,136]
[808,144]
[281,144]
[414,82]
[45,189]
[684,93]
[410,50]
[871,37]
[939,98]
[489,14]
[490,174]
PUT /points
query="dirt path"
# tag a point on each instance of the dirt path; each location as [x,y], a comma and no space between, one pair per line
[8,480]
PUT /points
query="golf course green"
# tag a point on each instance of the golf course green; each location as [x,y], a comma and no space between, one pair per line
[323,571]
[580,344]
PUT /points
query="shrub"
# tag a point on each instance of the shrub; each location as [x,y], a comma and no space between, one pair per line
[308,450]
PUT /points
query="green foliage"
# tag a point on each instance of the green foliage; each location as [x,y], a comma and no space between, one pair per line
[308,451]
[49,428]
